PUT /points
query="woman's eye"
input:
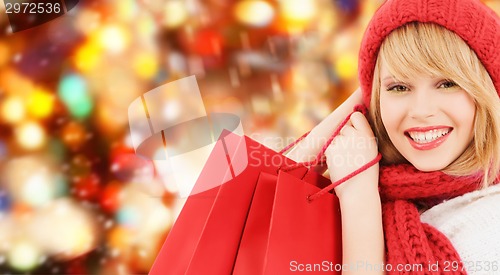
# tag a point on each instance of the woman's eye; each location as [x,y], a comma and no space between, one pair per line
[447,84]
[397,88]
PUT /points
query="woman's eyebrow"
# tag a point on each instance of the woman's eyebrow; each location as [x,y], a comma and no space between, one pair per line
[387,78]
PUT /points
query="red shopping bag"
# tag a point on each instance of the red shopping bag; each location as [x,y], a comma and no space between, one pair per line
[305,226]
[206,236]
[218,246]
[253,244]
[182,241]
[242,227]
[294,223]
[303,234]
[284,229]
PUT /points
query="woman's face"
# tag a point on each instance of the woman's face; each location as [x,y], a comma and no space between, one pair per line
[430,120]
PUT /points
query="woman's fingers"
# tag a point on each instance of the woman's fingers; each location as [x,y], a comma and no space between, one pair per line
[347,131]
[360,123]
[357,122]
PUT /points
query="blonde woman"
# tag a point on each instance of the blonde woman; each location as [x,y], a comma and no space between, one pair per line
[430,74]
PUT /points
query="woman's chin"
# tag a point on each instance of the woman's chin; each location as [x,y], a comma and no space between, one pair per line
[429,167]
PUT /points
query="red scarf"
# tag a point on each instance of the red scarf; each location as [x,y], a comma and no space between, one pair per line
[407,239]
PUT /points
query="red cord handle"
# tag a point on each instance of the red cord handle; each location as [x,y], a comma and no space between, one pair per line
[294,143]
[319,159]
[327,189]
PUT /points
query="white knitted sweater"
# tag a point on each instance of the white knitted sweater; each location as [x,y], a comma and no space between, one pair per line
[472,223]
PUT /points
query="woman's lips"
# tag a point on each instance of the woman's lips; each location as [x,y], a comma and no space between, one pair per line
[427,138]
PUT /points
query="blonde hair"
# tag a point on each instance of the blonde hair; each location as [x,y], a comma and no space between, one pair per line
[417,48]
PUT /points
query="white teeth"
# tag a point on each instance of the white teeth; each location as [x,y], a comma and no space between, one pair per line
[426,137]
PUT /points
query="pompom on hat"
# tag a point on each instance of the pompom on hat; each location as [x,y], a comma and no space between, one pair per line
[475,23]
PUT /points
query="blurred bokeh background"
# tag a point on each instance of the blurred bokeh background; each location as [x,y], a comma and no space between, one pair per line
[74,199]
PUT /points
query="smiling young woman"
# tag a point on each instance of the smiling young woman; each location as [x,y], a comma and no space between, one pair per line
[441,86]
[429,75]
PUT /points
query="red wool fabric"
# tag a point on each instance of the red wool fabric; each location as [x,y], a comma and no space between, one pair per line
[407,239]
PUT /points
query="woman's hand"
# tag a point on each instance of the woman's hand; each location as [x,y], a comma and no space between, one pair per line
[309,147]
[362,231]
[352,148]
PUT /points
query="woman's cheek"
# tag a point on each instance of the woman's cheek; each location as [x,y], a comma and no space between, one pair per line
[391,112]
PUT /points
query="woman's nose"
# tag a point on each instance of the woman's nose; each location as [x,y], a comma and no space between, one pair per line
[423,104]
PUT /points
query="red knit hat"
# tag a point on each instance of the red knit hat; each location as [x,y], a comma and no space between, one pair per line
[475,23]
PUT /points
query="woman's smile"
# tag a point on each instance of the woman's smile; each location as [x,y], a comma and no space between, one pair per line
[427,138]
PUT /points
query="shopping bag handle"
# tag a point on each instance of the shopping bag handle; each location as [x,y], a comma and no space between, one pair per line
[328,188]
[319,159]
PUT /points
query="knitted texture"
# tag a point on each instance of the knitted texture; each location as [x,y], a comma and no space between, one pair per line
[407,239]
[475,23]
